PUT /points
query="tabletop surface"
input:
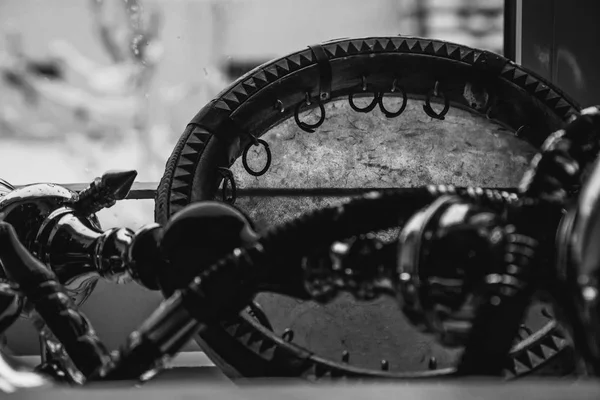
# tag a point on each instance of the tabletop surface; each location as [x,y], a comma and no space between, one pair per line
[208,383]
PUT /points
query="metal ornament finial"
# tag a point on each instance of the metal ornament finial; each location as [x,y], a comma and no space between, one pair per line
[104,191]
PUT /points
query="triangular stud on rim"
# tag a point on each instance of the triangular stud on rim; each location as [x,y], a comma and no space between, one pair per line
[524,359]
[538,350]
[535,358]
[558,342]
[231,100]
[542,92]
[553,99]
[230,326]
[254,340]
[183,173]
[295,61]
[429,49]
[195,142]
[388,45]
[179,198]
[531,84]
[174,208]
[378,45]
[354,47]
[413,45]
[508,72]
[520,77]
[180,187]
[306,57]
[242,330]
[190,152]
[260,79]
[330,50]
[249,86]
[440,49]
[453,51]
[365,47]
[563,106]
[468,56]
[404,46]
[240,93]
[341,49]
[282,66]
[271,73]
[520,368]
[221,105]
[267,349]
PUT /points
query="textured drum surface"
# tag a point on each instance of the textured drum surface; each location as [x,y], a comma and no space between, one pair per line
[369,150]
[357,150]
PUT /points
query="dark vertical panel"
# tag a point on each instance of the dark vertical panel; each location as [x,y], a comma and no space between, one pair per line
[537,42]
[577,41]
[510,29]
[560,42]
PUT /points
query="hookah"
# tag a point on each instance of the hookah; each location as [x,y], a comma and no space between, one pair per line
[464,267]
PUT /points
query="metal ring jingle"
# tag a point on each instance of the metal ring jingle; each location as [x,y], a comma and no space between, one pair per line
[429,111]
[393,114]
[310,128]
[245,158]
[229,178]
[366,109]
[256,311]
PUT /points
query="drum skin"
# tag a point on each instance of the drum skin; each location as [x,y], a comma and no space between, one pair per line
[499,115]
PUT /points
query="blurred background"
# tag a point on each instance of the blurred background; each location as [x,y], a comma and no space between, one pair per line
[92,85]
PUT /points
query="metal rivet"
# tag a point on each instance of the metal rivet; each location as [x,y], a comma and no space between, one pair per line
[385,365]
[345,356]
[546,313]
[432,364]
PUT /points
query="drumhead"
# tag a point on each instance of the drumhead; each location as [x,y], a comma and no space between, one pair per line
[469,118]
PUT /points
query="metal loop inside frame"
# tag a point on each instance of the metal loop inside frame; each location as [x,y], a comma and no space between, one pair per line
[393,114]
[257,142]
[368,108]
[253,140]
[257,312]
[521,131]
[310,128]
[427,107]
[279,106]
[228,179]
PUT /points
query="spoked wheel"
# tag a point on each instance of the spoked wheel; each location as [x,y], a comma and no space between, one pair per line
[321,124]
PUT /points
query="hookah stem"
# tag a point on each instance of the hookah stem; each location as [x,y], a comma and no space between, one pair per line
[553,174]
[556,172]
[494,330]
[499,319]
[11,305]
[229,285]
[374,211]
[40,285]
[160,337]
[528,252]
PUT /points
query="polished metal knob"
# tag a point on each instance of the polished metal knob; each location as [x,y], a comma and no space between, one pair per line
[446,253]
[59,227]
[577,290]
